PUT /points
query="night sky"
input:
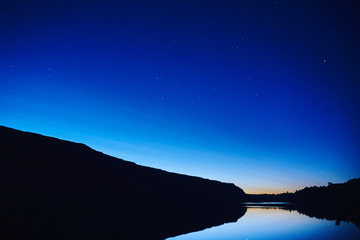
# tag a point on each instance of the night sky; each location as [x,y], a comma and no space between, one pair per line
[264,94]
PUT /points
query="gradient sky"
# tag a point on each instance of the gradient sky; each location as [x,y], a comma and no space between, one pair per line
[264,94]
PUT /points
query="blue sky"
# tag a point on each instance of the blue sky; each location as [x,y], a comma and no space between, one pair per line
[264,94]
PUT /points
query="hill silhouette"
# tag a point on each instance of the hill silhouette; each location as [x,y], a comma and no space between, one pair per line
[51,188]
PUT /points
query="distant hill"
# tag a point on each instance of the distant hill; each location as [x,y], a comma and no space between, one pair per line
[337,201]
[56,189]
[347,193]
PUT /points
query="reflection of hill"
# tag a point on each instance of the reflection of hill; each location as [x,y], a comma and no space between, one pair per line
[340,214]
[56,189]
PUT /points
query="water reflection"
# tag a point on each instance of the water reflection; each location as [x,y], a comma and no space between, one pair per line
[277,222]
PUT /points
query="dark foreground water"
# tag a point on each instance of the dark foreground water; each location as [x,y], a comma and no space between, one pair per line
[276,222]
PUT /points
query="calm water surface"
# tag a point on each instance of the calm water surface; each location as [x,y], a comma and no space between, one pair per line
[265,222]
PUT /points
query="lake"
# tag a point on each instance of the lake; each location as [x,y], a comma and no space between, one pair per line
[276,222]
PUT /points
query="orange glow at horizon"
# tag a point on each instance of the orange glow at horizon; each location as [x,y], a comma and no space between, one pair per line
[266,190]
